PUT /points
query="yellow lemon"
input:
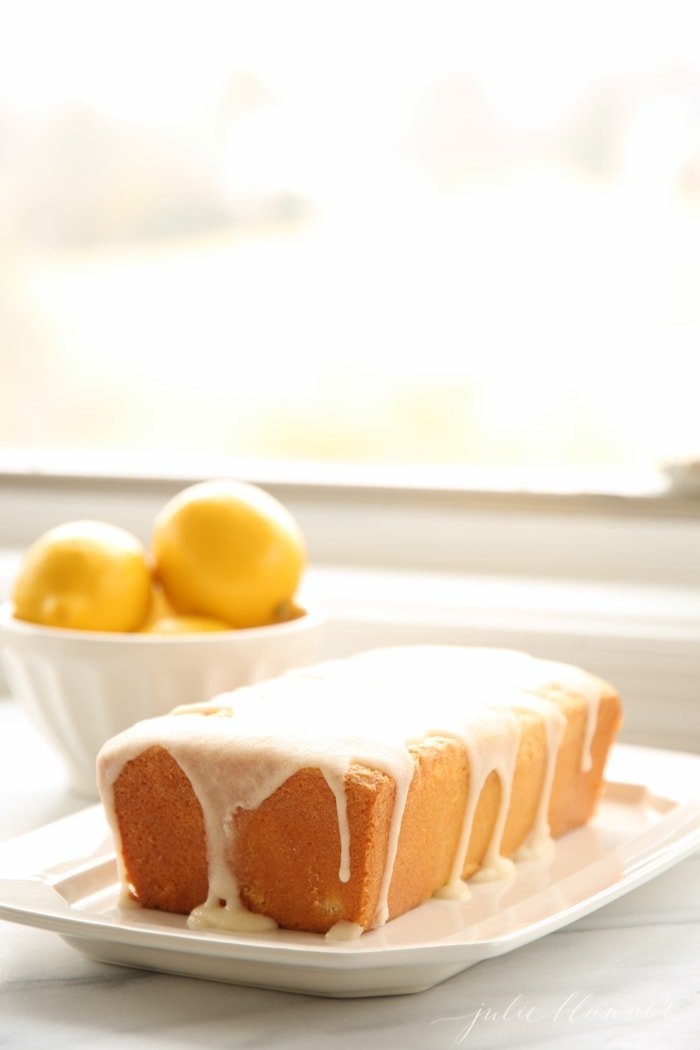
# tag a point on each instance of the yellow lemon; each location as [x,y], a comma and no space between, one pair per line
[228,550]
[185,625]
[159,608]
[86,575]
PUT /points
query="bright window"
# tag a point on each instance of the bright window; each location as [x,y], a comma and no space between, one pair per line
[425,233]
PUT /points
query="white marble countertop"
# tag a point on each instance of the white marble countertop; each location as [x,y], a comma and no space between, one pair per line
[626,976]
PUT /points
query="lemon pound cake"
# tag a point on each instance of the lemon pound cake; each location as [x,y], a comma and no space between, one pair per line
[338,796]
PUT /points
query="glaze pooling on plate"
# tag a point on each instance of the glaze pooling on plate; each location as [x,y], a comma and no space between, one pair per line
[238,749]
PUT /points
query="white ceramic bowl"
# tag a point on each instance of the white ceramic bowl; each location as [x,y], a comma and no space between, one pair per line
[82,687]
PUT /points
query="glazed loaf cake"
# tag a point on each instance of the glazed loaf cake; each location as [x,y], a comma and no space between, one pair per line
[338,796]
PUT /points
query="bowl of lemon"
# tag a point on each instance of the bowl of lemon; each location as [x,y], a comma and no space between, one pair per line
[102,631]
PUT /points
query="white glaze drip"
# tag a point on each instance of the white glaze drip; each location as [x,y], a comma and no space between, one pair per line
[491,739]
[337,785]
[547,674]
[234,918]
[403,775]
[344,931]
[125,898]
[238,749]
[539,841]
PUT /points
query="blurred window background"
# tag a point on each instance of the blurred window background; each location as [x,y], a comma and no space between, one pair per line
[458,234]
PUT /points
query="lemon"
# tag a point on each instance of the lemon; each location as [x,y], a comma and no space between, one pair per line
[162,618]
[159,608]
[228,550]
[185,625]
[86,575]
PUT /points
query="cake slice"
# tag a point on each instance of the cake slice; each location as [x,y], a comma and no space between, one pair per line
[338,796]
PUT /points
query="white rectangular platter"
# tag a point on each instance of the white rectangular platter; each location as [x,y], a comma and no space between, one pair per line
[63,878]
